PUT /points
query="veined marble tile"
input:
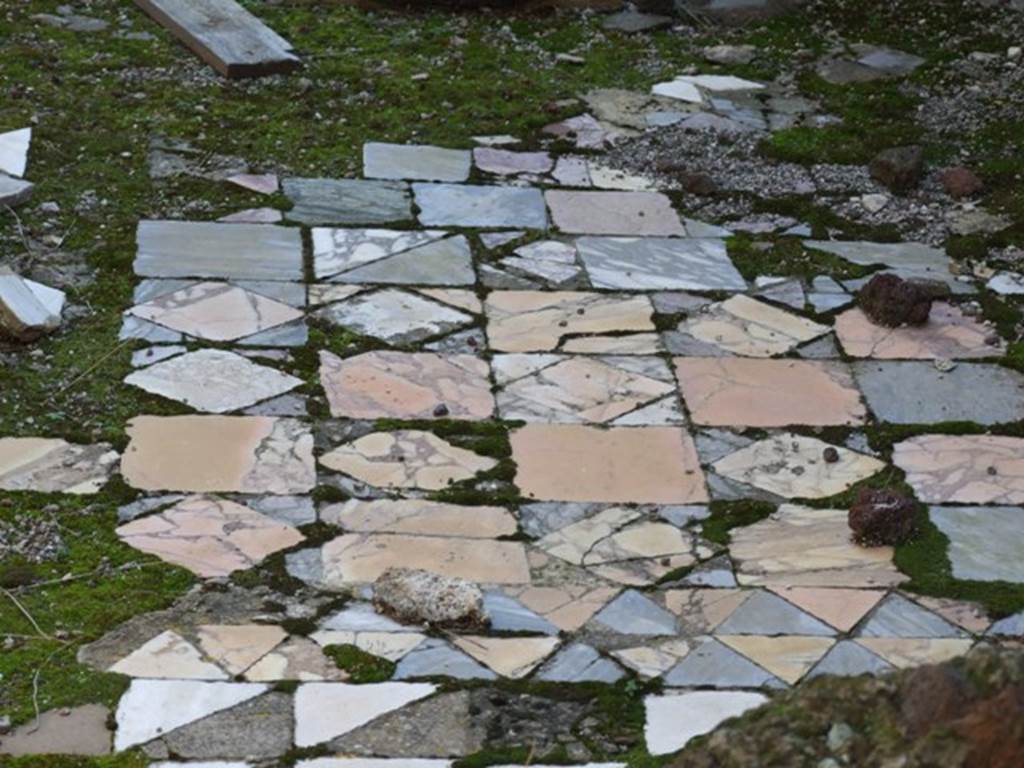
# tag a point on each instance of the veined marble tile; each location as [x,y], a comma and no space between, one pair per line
[659,263]
[949,334]
[512,657]
[614,213]
[789,658]
[702,609]
[236,647]
[985,543]
[538,321]
[460,298]
[168,656]
[632,613]
[216,312]
[469,205]
[629,344]
[412,161]
[324,711]
[653,660]
[416,516]
[842,608]
[765,613]
[394,316]
[505,162]
[800,546]
[750,328]
[909,260]
[793,466]
[211,537]
[406,459]
[563,462]
[241,454]
[407,385]
[348,201]
[52,465]
[963,469]
[340,250]
[713,664]
[213,381]
[904,652]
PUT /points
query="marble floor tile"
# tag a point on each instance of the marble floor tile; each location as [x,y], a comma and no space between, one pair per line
[298,658]
[765,613]
[168,656]
[659,263]
[841,608]
[580,663]
[415,162]
[52,465]
[904,652]
[949,334]
[985,543]
[630,344]
[513,657]
[341,250]
[896,616]
[654,658]
[632,613]
[236,647]
[416,516]
[324,711]
[468,205]
[713,664]
[789,658]
[81,730]
[14,151]
[847,658]
[567,606]
[504,162]
[407,385]
[656,465]
[702,609]
[241,454]
[394,316]
[963,469]
[614,213]
[749,328]
[348,201]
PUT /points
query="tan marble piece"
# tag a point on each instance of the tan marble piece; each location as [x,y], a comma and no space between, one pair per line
[296,659]
[236,647]
[407,385]
[629,344]
[211,537]
[406,459]
[969,616]
[537,321]
[751,328]
[949,334]
[789,657]
[653,660]
[793,466]
[800,546]
[903,652]
[215,311]
[963,469]
[568,607]
[168,656]
[512,657]
[361,558]
[702,609]
[768,393]
[51,465]
[565,462]
[842,608]
[416,516]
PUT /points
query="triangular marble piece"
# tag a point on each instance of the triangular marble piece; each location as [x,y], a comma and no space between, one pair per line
[766,614]
[338,250]
[444,262]
[324,711]
[14,151]
[513,657]
[715,665]
[788,658]
[849,659]
[168,656]
[903,652]
[899,617]
[842,608]
[236,647]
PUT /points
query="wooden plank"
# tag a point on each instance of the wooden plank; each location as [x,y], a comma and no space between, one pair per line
[225,35]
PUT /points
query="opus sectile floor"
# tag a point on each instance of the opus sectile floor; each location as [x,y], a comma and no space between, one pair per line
[581,319]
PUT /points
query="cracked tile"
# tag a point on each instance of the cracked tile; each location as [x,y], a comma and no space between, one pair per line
[701,610]
[394,316]
[963,469]
[949,334]
[241,454]
[340,250]
[415,516]
[768,393]
[749,328]
[407,385]
[659,263]
[52,465]
[562,462]
[406,459]
[295,659]
[210,537]
[236,647]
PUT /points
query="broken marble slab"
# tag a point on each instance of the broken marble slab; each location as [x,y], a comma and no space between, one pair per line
[551,261]
[168,656]
[963,469]
[473,205]
[654,659]
[538,321]
[797,467]
[324,711]
[493,240]
[1006,284]
[674,719]
[51,465]
[14,151]
[505,162]
[606,177]
[419,517]
[80,731]
[240,454]
[152,708]
[659,263]
[768,393]
[567,462]
[298,658]
[629,344]
[801,546]
[406,459]
[506,614]
[985,543]
[678,89]
[215,312]
[211,249]
[213,381]
[911,392]
[347,201]
[614,213]
[747,327]
[28,309]
[407,385]
[563,389]
[908,260]
[949,334]
[397,317]
[446,261]
[211,537]
[290,293]
[149,355]
[415,162]
[236,647]
[339,250]
[571,171]
[14,191]
[360,558]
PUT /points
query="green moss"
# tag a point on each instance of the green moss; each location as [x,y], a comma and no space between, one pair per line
[124,760]
[786,256]
[726,515]
[361,666]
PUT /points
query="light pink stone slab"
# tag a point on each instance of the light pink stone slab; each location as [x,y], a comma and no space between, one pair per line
[963,469]
[504,162]
[614,213]
[566,462]
[404,385]
[768,393]
[948,334]
[211,537]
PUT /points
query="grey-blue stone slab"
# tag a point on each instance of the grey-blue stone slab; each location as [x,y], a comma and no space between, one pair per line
[659,263]
[436,658]
[283,405]
[443,262]
[579,663]
[849,659]
[897,616]
[347,201]
[361,617]
[631,613]
[715,665]
[716,572]
[415,161]
[683,514]
[293,334]
[294,510]
[985,543]
[764,613]
[470,205]
[916,392]
[509,615]
[143,330]
[1011,626]
[211,249]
